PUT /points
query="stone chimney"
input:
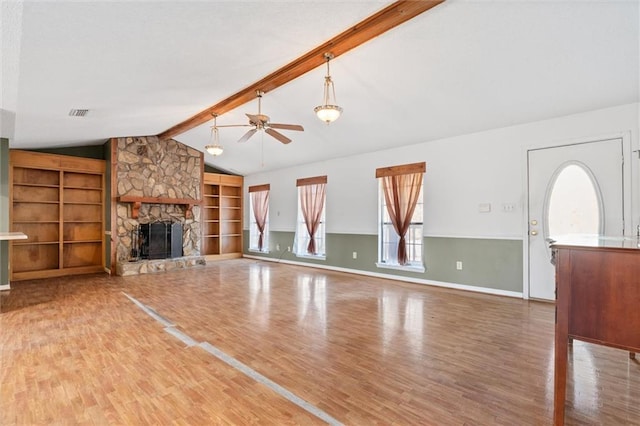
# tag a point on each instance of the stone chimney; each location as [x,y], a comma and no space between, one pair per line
[149,168]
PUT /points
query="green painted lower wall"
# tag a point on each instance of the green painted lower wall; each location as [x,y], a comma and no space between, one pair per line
[486,263]
[490,263]
[4,210]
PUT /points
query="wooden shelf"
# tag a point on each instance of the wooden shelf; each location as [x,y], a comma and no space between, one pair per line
[35,185]
[222,222]
[57,201]
[82,203]
[84,188]
[36,221]
[34,243]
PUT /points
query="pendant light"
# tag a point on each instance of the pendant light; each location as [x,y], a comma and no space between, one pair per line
[214,148]
[329,111]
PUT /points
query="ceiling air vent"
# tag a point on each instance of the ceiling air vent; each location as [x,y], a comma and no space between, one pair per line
[78,112]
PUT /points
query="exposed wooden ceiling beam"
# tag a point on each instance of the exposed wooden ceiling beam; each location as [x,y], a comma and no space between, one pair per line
[371,27]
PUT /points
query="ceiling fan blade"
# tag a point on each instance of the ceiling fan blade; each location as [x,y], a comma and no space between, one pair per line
[247,135]
[287,126]
[234,125]
[282,138]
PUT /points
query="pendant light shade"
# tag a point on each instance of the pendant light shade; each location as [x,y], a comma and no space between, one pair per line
[214,148]
[328,111]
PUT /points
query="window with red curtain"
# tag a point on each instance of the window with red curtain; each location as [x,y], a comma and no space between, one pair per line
[400,233]
[259,218]
[310,231]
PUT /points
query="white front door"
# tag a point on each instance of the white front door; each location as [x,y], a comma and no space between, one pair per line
[573,189]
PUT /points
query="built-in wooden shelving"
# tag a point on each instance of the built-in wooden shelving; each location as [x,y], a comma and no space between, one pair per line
[57,201]
[222,216]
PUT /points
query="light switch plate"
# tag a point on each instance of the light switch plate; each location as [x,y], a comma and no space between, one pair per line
[484,207]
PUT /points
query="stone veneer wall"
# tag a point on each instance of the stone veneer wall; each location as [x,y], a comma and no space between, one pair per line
[150,167]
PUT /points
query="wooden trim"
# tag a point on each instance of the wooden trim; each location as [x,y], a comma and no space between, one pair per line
[371,27]
[67,163]
[404,169]
[231,180]
[312,180]
[114,204]
[51,273]
[258,188]
[201,181]
[136,203]
[224,256]
[157,200]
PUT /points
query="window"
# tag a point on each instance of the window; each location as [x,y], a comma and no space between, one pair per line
[310,229]
[259,218]
[401,216]
[574,203]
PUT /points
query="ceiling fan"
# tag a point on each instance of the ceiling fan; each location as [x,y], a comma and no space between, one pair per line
[260,121]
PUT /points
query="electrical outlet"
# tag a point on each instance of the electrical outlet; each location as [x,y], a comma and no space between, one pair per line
[277,247]
[508,207]
[355,254]
[459,265]
[289,248]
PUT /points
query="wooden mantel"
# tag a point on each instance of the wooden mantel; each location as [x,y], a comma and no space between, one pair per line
[136,203]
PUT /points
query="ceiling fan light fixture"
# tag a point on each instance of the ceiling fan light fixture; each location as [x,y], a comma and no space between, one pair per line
[328,111]
[214,148]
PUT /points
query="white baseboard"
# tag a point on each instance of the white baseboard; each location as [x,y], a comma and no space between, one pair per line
[485,290]
[5,287]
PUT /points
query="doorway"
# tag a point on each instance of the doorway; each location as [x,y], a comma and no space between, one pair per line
[573,189]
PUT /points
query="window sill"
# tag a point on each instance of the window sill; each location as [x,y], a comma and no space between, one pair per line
[412,268]
[259,251]
[310,256]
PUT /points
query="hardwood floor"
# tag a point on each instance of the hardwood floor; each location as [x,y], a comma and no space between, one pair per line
[77,350]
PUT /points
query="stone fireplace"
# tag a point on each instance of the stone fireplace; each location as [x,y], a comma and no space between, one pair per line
[156,181]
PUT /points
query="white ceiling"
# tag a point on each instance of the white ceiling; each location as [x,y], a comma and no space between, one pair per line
[141,67]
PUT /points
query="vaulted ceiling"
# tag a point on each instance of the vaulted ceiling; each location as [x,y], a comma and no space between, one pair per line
[141,67]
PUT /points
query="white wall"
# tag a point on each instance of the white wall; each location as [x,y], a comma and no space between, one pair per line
[7,124]
[462,172]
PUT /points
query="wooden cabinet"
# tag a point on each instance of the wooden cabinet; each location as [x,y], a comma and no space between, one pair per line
[597,297]
[58,202]
[222,216]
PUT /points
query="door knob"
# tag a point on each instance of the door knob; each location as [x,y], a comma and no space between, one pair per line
[534,232]
[534,222]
